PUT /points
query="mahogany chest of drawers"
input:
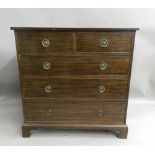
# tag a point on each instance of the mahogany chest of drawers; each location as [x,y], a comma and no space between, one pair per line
[75,78]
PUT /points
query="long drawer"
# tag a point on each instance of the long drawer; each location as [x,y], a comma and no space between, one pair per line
[75,65]
[74,111]
[67,87]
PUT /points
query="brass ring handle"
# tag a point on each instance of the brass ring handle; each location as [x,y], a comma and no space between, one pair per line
[47,65]
[103,65]
[48,88]
[101,89]
[49,111]
[45,42]
[104,42]
[99,113]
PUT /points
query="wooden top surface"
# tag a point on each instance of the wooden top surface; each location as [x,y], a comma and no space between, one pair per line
[71,29]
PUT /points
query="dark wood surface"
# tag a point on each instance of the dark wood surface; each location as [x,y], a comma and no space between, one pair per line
[121,130]
[74,65]
[117,41]
[71,29]
[75,75]
[74,88]
[31,41]
[97,112]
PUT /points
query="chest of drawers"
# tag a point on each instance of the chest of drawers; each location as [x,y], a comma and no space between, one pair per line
[75,78]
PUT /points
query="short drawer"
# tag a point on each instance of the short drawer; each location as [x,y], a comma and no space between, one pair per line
[75,111]
[74,65]
[51,87]
[104,41]
[43,41]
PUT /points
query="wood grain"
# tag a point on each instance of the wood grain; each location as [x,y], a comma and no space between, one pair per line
[31,41]
[74,88]
[75,75]
[120,130]
[74,65]
[68,29]
[75,111]
[117,41]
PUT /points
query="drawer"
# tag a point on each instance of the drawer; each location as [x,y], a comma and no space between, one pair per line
[66,87]
[75,111]
[74,65]
[43,41]
[104,41]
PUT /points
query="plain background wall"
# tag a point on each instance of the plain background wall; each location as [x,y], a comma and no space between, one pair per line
[143,70]
[140,110]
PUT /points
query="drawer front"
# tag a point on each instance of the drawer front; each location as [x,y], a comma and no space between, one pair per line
[104,41]
[43,41]
[77,65]
[74,88]
[67,110]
